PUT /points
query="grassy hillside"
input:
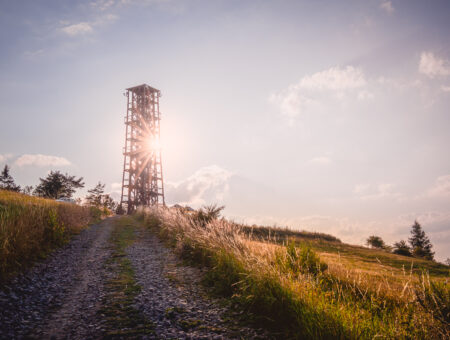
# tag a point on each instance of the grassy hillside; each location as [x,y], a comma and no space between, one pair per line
[309,287]
[332,250]
[30,227]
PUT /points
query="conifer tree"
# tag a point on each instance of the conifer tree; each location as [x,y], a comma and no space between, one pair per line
[7,182]
[420,243]
[95,195]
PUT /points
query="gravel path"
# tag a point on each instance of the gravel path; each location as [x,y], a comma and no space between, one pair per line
[173,299]
[61,297]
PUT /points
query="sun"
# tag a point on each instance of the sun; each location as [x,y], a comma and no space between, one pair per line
[153,143]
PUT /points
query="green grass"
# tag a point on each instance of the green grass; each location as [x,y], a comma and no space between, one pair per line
[311,288]
[122,319]
[280,235]
[31,227]
[376,256]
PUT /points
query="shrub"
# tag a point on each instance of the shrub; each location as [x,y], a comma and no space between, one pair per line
[401,248]
[375,242]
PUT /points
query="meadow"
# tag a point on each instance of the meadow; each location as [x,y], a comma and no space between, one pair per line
[31,227]
[301,285]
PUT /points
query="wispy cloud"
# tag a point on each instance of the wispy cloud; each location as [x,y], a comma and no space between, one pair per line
[376,191]
[433,66]
[40,160]
[441,187]
[102,5]
[208,184]
[335,79]
[387,6]
[320,160]
[309,93]
[77,29]
[5,157]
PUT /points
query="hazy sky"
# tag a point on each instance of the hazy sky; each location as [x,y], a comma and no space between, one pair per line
[330,116]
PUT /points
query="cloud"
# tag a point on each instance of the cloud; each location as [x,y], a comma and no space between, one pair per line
[335,78]
[320,160]
[33,54]
[441,187]
[5,157]
[432,66]
[41,160]
[311,91]
[77,29]
[102,5]
[445,88]
[206,185]
[376,191]
[387,7]
[115,190]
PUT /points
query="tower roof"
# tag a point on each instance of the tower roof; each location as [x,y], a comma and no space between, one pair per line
[141,87]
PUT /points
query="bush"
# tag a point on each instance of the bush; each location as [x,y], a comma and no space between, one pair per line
[376,242]
[401,248]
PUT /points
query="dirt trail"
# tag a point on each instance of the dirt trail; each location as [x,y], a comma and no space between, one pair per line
[64,296]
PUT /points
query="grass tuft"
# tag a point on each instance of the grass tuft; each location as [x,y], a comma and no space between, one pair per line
[122,319]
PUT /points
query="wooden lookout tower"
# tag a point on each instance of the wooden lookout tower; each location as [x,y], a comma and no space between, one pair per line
[142,180]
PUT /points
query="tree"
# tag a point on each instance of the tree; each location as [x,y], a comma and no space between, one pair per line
[420,243]
[56,185]
[376,242]
[98,199]
[401,248]
[95,195]
[7,182]
[109,203]
[27,189]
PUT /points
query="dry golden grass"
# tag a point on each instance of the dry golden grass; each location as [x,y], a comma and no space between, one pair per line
[30,227]
[289,290]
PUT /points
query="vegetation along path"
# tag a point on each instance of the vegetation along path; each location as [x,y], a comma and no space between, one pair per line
[114,280]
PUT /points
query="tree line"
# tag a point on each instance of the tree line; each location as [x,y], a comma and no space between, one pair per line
[419,245]
[57,185]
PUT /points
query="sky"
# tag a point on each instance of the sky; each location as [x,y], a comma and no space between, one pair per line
[329,116]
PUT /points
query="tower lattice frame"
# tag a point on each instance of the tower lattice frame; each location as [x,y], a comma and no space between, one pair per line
[142,180]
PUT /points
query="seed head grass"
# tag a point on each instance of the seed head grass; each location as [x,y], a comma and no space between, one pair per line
[298,290]
[31,227]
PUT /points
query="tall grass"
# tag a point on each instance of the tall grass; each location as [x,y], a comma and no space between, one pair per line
[290,289]
[30,227]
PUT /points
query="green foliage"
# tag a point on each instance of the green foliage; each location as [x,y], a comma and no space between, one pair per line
[122,318]
[300,260]
[435,298]
[94,196]
[281,234]
[420,243]
[375,242]
[56,232]
[97,198]
[401,248]
[7,182]
[57,185]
